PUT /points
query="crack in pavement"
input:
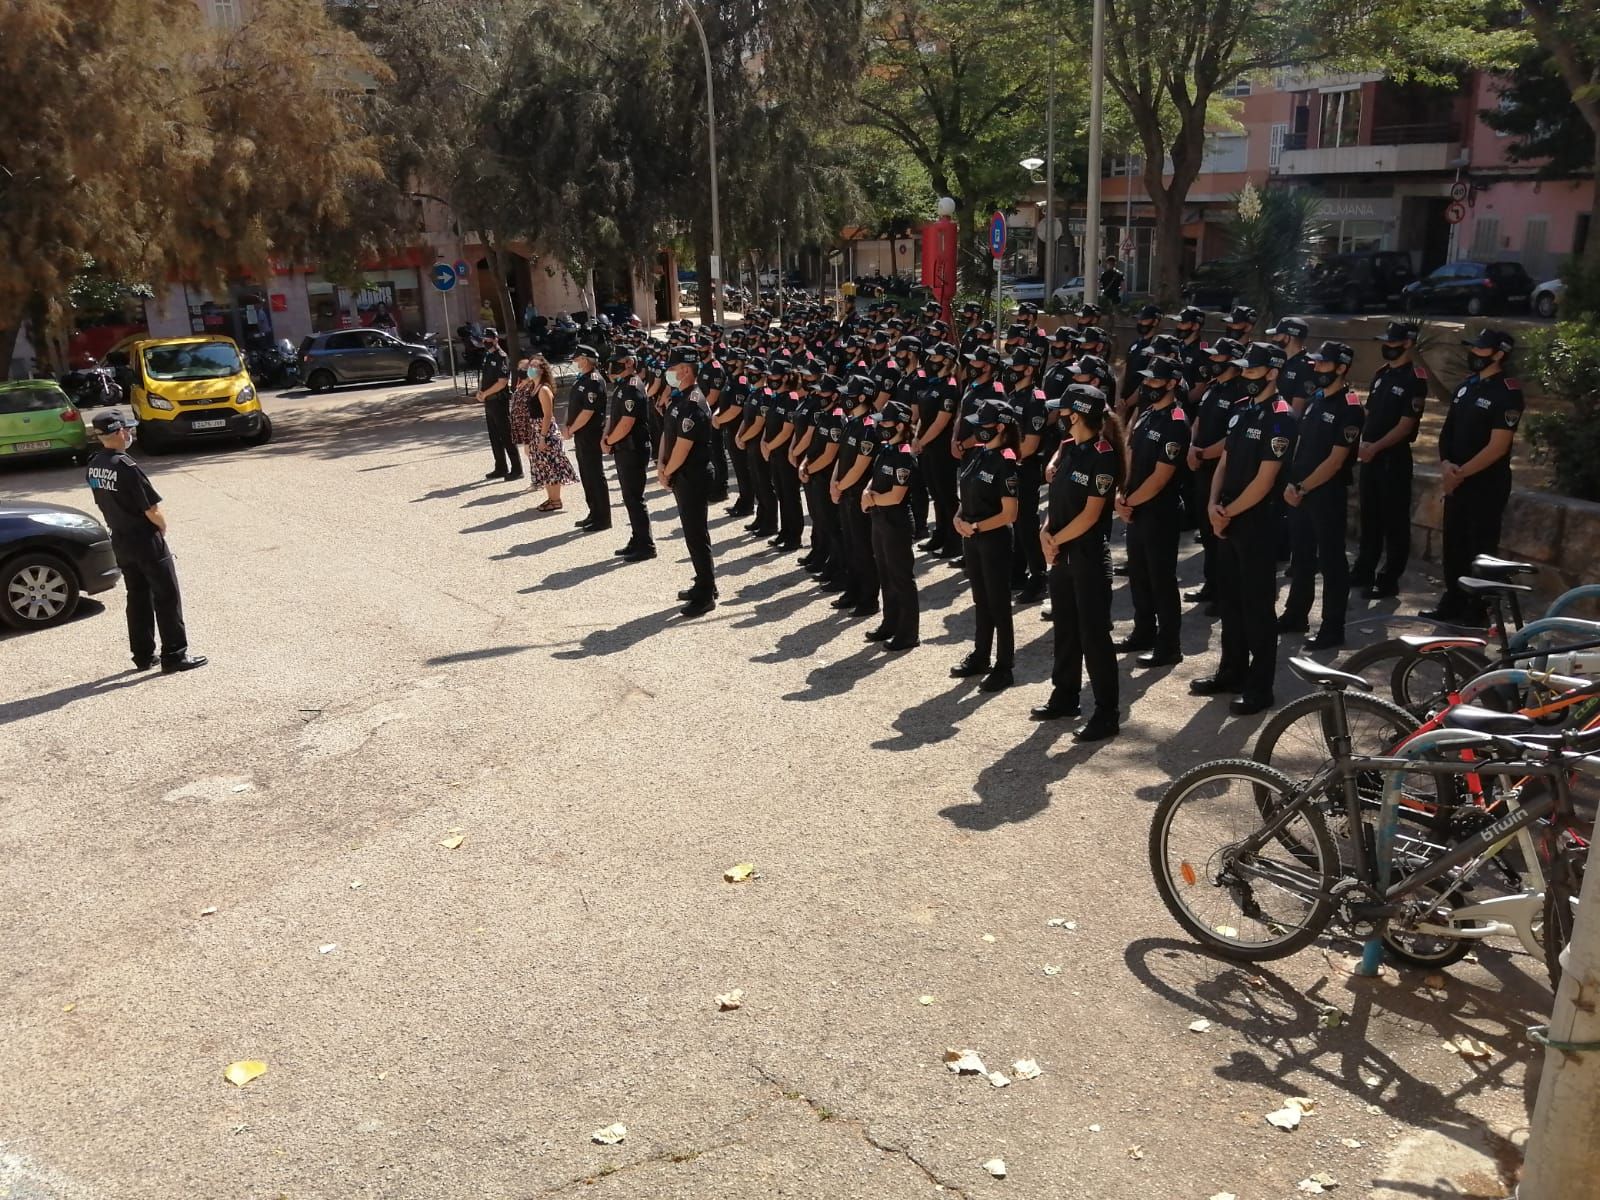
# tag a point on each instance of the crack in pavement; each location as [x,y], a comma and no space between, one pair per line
[824,1113]
[675,1157]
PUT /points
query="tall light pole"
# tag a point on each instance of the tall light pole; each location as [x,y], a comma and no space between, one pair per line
[1050,178]
[711,143]
[1091,222]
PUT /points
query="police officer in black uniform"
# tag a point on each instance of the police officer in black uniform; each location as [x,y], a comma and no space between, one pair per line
[989,483]
[712,378]
[1318,498]
[858,446]
[816,476]
[1394,414]
[776,434]
[131,507]
[938,402]
[1192,351]
[1241,324]
[494,393]
[1149,503]
[627,440]
[885,500]
[1224,394]
[1297,380]
[1475,457]
[752,431]
[1077,545]
[1138,355]
[586,419]
[1259,442]
[686,468]
[728,416]
[1028,400]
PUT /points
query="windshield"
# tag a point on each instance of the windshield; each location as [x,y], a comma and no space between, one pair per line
[192,360]
[32,399]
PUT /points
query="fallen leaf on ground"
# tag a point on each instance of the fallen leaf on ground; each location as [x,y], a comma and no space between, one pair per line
[611,1135]
[1316,1185]
[1351,1143]
[69,1007]
[999,1079]
[1061,923]
[242,1072]
[356,885]
[964,1062]
[1136,1152]
[996,1167]
[1371,1080]
[1435,981]
[740,872]
[209,912]
[1227,930]
[241,787]
[1330,1018]
[1049,970]
[1289,1116]
[1467,1047]
[729,1001]
[1224,1196]
[1025,1068]
[924,999]
[453,842]
[1199,1026]
[327,947]
[1094,1129]
[989,937]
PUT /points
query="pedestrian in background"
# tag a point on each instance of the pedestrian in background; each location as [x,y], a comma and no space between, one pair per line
[548,466]
[131,507]
[494,393]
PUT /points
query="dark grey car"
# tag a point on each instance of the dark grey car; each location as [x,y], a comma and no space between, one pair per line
[362,356]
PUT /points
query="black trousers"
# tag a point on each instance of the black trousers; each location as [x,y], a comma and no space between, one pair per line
[1318,523]
[939,468]
[766,496]
[856,527]
[825,535]
[917,496]
[1027,564]
[1385,488]
[592,474]
[692,490]
[1080,609]
[719,460]
[151,578]
[1153,572]
[892,537]
[497,415]
[1247,595]
[1200,498]
[741,471]
[988,556]
[1472,517]
[631,467]
[786,482]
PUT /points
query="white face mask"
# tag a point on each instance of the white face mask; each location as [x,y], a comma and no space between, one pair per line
[683,381]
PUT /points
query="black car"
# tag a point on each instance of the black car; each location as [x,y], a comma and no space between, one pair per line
[1474,288]
[1359,280]
[49,557]
[1210,286]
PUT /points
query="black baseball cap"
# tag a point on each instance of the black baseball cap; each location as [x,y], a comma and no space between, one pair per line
[897,411]
[108,423]
[1027,309]
[1229,350]
[1242,314]
[1166,343]
[861,385]
[1064,333]
[1093,333]
[1162,369]
[1189,314]
[1023,357]
[681,356]
[1091,364]
[1492,339]
[1334,352]
[1150,312]
[1090,310]
[1290,327]
[583,352]
[1086,400]
[992,412]
[1265,354]
[621,355]
[489,331]
[908,343]
[985,354]
[1398,331]
[828,384]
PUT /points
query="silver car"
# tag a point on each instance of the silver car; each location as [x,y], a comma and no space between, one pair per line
[362,356]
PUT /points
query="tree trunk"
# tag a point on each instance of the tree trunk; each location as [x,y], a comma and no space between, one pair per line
[1563,1154]
[1591,248]
[10,330]
[1168,246]
[510,335]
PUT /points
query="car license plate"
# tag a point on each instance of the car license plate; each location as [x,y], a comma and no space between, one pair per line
[25,447]
[223,424]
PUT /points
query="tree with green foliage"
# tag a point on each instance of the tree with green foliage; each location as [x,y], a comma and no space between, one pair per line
[137,136]
[1269,237]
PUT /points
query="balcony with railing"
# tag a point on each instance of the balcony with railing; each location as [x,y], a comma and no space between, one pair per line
[1426,146]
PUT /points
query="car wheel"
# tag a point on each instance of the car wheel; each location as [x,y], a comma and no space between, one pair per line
[37,590]
[1545,304]
[1475,306]
[420,372]
[263,435]
[321,381]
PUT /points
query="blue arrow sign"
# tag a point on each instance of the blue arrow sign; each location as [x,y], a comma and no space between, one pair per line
[997,235]
[444,277]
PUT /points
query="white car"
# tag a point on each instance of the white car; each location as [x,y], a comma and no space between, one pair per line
[1023,287]
[1547,296]
[1070,293]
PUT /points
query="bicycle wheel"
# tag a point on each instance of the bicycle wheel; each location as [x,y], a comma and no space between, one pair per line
[1245,904]
[1429,951]
[1561,907]
[1376,663]
[1298,740]
[1421,683]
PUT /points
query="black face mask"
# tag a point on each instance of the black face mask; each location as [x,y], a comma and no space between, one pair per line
[1325,379]
[1145,327]
[1254,387]
[987,434]
[1391,353]
[1012,378]
[1477,362]
[1058,351]
[1213,369]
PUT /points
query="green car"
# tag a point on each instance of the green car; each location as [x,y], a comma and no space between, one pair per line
[37,420]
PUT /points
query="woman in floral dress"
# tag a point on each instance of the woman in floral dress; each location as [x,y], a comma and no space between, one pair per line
[534,425]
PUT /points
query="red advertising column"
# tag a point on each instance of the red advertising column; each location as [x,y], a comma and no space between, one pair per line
[939,264]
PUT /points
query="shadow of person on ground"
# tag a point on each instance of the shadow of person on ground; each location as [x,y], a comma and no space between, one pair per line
[47,702]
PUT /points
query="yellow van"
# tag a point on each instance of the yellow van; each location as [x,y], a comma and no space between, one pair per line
[186,389]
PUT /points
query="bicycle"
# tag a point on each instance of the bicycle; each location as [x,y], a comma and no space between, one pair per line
[1278,872]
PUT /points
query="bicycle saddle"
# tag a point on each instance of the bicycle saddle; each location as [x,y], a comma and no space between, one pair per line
[1485,720]
[1488,566]
[1490,586]
[1326,677]
[1424,643]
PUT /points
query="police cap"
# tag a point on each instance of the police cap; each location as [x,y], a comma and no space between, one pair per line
[908,345]
[1162,369]
[1398,331]
[1242,314]
[896,412]
[588,352]
[861,385]
[1292,327]
[1023,357]
[681,356]
[992,412]
[1091,364]
[1334,352]
[1492,339]
[108,423]
[1265,354]
[1189,314]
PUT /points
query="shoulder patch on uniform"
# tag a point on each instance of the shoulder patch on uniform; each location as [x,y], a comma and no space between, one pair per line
[904,447]
[1103,446]
[1280,406]
[1420,371]
[1177,413]
[1008,452]
[952,381]
[921,374]
[1513,384]
[999,388]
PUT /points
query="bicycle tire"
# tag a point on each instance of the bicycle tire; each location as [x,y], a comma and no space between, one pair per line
[1324,865]
[1414,692]
[1560,896]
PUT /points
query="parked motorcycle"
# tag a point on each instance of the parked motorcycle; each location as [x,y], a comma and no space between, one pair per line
[92,386]
[274,365]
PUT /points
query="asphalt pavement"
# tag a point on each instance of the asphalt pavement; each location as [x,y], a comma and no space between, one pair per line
[252,862]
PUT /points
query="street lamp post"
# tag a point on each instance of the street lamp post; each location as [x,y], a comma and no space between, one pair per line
[1050,177]
[711,143]
[1091,221]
